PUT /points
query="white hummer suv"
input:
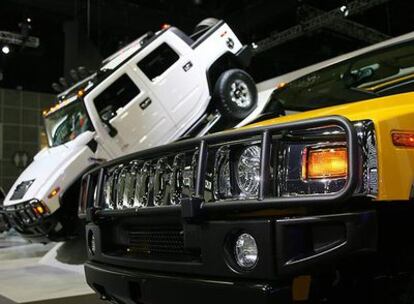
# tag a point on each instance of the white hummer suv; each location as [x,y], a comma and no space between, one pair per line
[160,88]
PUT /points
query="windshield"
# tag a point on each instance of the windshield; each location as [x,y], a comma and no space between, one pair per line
[379,73]
[67,123]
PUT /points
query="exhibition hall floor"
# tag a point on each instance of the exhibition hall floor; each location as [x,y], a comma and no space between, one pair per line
[37,273]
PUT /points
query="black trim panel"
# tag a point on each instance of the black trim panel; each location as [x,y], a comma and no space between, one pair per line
[93,145]
[244,55]
[324,239]
[207,34]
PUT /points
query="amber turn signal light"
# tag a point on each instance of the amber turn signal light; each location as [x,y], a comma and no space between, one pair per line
[53,193]
[325,163]
[403,139]
[81,93]
[39,209]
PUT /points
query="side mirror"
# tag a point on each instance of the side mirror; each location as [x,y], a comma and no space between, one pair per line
[106,114]
[110,128]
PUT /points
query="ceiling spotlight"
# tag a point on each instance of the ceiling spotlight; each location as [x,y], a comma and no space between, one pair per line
[5,49]
[29,19]
[344,9]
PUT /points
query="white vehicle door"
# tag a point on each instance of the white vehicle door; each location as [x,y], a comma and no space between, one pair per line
[176,78]
[133,121]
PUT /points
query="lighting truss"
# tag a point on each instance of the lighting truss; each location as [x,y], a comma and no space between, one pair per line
[19,39]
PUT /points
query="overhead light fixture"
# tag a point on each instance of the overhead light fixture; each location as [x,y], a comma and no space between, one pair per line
[345,10]
[29,19]
[5,49]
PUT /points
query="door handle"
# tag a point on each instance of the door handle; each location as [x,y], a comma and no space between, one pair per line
[187,66]
[145,103]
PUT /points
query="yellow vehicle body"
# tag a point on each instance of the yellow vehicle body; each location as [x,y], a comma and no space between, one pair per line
[389,114]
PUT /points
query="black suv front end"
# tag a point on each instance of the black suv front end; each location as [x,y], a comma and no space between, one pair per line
[234,216]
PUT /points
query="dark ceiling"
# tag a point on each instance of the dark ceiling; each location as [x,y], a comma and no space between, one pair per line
[82,32]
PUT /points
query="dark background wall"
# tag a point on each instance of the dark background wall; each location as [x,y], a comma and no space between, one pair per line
[20,126]
[75,33]
[82,32]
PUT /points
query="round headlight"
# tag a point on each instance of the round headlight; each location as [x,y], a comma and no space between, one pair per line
[246,251]
[248,171]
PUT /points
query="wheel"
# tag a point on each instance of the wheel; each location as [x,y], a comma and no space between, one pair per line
[205,24]
[235,93]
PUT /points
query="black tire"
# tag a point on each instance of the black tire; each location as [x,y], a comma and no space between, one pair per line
[235,94]
[205,24]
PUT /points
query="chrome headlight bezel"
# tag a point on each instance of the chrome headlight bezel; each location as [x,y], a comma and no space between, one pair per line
[226,175]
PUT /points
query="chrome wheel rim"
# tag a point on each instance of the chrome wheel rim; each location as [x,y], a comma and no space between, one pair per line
[240,94]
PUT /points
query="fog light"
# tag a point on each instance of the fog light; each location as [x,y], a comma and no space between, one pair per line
[246,251]
[92,243]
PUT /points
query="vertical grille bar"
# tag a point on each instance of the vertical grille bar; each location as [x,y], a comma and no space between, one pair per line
[202,163]
[265,165]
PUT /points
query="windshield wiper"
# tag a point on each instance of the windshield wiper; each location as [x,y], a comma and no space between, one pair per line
[359,90]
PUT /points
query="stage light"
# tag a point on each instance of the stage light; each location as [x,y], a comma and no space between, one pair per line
[345,10]
[5,49]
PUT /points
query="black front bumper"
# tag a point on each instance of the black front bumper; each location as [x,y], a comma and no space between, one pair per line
[4,223]
[40,230]
[288,247]
[132,287]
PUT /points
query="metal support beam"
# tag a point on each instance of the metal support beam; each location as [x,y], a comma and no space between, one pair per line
[327,18]
[348,27]
[19,39]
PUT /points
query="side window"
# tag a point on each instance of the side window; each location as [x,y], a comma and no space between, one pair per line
[158,61]
[116,96]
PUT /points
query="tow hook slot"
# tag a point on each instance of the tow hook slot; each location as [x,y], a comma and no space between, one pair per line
[302,243]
